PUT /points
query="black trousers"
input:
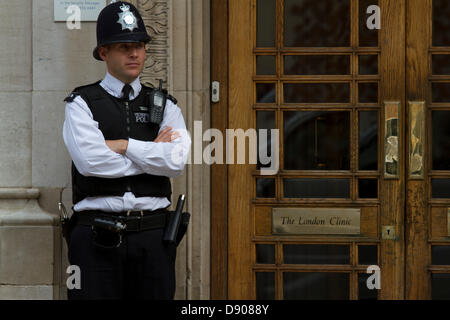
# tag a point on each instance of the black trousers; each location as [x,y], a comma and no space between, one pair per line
[143,267]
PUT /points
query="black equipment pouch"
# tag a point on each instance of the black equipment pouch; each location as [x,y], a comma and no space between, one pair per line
[107,231]
[67,223]
[173,226]
[182,229]
[106,238]
[67,226]
[186,216]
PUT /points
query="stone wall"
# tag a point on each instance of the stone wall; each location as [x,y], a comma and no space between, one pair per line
[27,240]
[41,64]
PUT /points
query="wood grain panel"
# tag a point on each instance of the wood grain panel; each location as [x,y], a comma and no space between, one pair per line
[439,223]
[264,217]
[240,186]
[370,222]
[418,38]
[392,88]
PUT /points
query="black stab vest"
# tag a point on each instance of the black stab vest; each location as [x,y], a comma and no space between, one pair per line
[118,119]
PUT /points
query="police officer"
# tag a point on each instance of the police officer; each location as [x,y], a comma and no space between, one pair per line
[123,156]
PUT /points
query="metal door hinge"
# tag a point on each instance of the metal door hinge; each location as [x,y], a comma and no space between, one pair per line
[215,91]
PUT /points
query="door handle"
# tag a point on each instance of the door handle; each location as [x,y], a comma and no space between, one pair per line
[416,139]
[448,222]
[392,129]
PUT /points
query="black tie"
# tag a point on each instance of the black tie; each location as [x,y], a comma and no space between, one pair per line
[126,92]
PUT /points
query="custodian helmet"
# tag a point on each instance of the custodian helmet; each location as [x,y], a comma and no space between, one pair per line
[120,22]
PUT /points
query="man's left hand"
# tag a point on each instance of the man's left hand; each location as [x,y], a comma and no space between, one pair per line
[118,146]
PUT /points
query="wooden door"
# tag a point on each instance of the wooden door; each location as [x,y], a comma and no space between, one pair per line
[427,227]
[361,127]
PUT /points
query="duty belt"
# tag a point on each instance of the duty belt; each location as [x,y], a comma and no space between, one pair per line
[130,221]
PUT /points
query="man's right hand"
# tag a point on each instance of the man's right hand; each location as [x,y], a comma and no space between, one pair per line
[167,135]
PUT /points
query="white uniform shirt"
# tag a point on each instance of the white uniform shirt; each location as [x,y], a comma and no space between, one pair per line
[92,157]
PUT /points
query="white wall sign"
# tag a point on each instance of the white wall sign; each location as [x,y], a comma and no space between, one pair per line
[89,9]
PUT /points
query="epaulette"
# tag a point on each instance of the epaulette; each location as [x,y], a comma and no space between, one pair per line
[71,97]
[172,98]
[77,91]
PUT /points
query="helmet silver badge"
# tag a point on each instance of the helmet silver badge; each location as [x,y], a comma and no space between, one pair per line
[127,18]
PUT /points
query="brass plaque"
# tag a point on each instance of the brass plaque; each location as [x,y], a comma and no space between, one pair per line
[326,221]
[416,139]
[448,221]
[391,140]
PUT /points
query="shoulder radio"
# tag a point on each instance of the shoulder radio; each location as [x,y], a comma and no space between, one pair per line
[157,104]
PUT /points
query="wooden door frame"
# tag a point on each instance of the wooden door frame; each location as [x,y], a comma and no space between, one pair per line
[220,119]
[219,172]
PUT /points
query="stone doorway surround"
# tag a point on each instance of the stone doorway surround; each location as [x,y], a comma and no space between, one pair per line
[180,55]
[36,167]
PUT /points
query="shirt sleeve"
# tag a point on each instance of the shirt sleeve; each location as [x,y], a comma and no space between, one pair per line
[87,147]
[163,158]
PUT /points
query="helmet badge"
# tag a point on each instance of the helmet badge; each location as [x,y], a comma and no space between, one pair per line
[127,18]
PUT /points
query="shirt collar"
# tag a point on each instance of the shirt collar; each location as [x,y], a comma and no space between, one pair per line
[114,86]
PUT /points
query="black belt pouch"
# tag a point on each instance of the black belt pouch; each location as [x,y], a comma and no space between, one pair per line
[184,223]
[67,227]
